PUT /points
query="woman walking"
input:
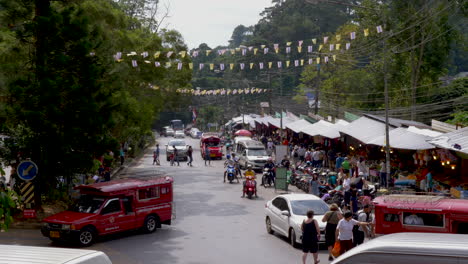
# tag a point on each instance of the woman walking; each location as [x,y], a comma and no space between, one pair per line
[310,237]
[332,218]
[314,186]
[189,154]
[344,231]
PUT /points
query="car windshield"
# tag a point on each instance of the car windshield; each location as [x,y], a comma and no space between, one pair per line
[177,143]
[300,207]
[256,152]
[88,204]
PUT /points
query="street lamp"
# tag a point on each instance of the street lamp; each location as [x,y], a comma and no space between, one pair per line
[384,42]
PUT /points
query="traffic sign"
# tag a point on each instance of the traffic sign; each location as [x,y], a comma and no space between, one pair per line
[27,170]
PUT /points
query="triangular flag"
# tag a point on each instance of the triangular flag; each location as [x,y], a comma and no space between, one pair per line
[231,66]
[320,47]
[287,63]
[326,59]
[325,40]
[270,64]
[156,55]
[261,65]
[168,64]
[300,42]
[208,52]
[221,66]
[265,50]
[251,65]
[201,66]
[332,47]
[348,45]
[352,35]
[134,63]
[280,64]
[310,61]
[263,46]
[238,49]
[228,92]
[233,51]
[183,53]
[250,48]
[338,37]
[195,53]
[302,62]
[169,53]
[314,41]
[299,49]
[366,32]
[288,49]
[334,57]
[242,65]
[157,64]
[244,51]
[211,66]
[296,63]
[288,43]
[255,51]
[247,90]
[190,65]
[338,46]
[318,60]
[309,48]
[179,66]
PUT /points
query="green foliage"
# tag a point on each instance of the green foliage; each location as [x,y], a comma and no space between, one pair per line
[9,201]
[459,118]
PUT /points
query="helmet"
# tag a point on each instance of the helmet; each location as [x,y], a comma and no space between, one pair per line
[249,166]
[270,159]
[308,162]
[228,156]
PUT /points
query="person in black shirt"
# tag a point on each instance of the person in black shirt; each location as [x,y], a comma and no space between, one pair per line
[285,162]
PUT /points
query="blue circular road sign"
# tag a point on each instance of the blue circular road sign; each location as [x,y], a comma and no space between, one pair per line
[27,170]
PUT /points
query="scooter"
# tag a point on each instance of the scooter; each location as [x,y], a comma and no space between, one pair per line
[250,188]
[267,177]
[231,173]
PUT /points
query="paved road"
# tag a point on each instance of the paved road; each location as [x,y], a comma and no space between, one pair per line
[213,224]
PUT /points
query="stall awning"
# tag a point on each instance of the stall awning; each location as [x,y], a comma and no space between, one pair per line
[456,140]
[365,129]
[402,138]
[298,125]
[321,128]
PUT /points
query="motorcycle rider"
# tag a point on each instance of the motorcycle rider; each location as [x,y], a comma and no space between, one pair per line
[236,166]
[249,175]
[270,165]
[285,162]
[229,162]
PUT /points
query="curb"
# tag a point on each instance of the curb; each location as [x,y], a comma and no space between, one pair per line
[26,225]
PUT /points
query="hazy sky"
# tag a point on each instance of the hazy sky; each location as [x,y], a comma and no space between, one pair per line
[212,21]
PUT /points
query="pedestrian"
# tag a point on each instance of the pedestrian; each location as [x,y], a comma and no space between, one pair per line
[174,156]
[156,155]
[310,237]
[207,155]
[189,155]
[361,232]
[314,185]
[331,159]
[122,156]
[353,203]
[429,181]
[107,175]
[362,168]
[344,231]
[301,152]
[332,218]
[383,174]
[339,160]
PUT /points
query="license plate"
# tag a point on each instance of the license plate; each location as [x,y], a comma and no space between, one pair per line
[212,155]
[54,234]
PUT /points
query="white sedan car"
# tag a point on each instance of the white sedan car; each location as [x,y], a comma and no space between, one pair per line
[285,214]
[179,134]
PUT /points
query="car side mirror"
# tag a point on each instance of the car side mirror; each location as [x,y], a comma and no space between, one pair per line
[286,213]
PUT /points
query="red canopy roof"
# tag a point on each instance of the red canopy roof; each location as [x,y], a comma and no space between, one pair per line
[243,132]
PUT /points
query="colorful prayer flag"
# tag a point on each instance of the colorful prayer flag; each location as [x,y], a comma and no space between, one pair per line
[366,32]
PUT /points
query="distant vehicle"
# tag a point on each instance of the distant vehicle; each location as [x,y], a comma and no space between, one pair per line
[285,214]
[53,255]
[212,142]
[434,214]
[179,134]
[195,133]
[181,147]
[251,152]
[111,207]
[414,248]
[169,132]
[177,124]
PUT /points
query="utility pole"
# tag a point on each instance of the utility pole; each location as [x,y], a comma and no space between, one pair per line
[317,89]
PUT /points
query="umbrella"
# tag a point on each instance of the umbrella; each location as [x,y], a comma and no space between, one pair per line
[243,132]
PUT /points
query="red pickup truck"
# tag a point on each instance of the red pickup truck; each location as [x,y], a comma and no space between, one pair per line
[111,207]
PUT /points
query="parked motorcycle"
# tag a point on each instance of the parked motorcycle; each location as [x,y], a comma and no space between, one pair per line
[231,173]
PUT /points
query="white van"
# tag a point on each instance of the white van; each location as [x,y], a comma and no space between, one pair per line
[251,152]
[414,248]
[14,254]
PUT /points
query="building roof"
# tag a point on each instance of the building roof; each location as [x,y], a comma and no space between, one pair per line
[364,129]
[395,122]
[402,138]
[456,140]
[321,128]
[298,125]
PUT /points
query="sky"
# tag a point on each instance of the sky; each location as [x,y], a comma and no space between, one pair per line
[212,21]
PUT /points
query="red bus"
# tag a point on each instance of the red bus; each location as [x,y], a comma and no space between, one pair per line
[213,143]
[420,213]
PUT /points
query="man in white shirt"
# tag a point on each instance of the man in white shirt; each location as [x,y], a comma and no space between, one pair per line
[344,231]
[413,219]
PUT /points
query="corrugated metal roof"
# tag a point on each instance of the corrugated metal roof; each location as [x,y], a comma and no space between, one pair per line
[365,129]
[456,140]
[402,138]
[298,125]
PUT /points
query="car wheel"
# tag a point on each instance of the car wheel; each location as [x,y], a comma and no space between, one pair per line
[292,238]
[86,237]
[151,223]
[268,225]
